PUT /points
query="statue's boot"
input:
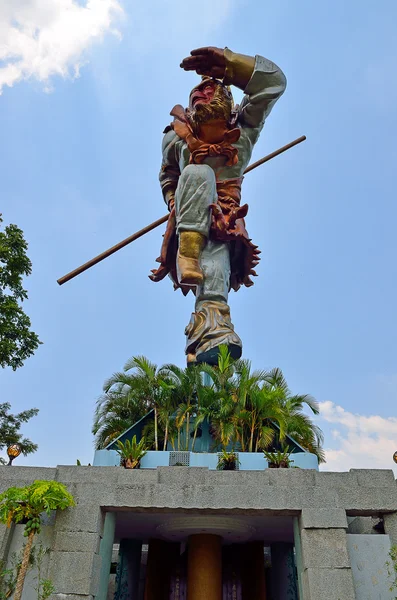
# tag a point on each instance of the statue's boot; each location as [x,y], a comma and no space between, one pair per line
[211,327]
[191,244]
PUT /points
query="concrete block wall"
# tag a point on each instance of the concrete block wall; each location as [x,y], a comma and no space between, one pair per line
[319,501]
[326,569]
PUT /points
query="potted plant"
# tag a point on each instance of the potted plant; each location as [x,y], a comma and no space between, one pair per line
[279,459]
[227,461]
[131,452]
[24,505]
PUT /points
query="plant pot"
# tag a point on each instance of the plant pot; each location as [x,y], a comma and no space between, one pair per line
[272,466]
[131,464]
[284,464]
[229,467]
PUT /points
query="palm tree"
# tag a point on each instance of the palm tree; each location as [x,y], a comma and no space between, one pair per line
[241,405]
[298,424]
[186,386]
[115,412]
[145,383]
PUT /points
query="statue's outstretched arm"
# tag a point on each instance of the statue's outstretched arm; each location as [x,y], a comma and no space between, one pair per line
[262,81]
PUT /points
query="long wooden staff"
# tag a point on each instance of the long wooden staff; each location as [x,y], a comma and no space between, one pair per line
[155,224]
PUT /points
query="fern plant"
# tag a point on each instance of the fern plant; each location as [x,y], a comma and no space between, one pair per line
[227,461]
[24,505]
[131,452]
[278,460]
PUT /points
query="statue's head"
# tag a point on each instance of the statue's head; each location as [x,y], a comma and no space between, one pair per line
[209,100]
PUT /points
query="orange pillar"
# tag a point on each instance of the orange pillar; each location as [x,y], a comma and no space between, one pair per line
[253,571]
[204,571]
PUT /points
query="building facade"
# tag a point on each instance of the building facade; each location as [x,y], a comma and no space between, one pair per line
[196,533]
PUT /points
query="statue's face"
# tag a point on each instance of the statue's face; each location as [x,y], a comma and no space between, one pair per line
[202,94]
[209,100]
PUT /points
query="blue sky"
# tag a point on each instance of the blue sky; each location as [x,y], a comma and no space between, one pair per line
[86,92]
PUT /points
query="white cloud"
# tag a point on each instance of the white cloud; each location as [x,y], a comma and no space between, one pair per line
[359,441]
[43,38]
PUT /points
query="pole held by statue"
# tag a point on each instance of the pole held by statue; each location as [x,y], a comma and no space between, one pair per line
[148,228]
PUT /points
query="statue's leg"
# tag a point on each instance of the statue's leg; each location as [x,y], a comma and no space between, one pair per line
[210,325]
[205,264]
[195,192]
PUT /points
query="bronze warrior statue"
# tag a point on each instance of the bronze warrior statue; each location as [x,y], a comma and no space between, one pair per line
[206,247]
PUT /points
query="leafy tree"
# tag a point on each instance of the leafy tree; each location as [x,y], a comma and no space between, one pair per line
[25,505]
[10,429]
[17,341]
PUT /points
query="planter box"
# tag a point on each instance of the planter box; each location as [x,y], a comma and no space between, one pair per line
[249,461]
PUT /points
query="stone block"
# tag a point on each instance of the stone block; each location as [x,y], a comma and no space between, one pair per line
[390,523]
[324,548]
[328,584]
[87,475]
[246,478]
[93,493]
[335,480]
[375,477]
[367,501]
[77,541]
[136,476]
[87,518]
[21,476]
[323,518]
[182,475]
[75,572]
[291,477]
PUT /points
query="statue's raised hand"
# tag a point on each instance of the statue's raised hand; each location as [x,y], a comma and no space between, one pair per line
[206,61]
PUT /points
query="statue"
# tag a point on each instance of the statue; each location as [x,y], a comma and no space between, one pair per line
[206,247]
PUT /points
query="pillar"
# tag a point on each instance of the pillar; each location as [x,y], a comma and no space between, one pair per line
[326,569]
[284,581]
[253,571]
[128,570]
[161,558]
[204,571]
[105,552]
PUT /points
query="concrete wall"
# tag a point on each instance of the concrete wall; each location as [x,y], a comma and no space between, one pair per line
[17,541]
[319,502]
[368,556]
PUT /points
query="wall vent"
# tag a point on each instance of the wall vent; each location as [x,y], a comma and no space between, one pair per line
[179,458]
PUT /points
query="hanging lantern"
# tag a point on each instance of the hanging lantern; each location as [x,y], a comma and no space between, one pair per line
[395,456]
[13,452]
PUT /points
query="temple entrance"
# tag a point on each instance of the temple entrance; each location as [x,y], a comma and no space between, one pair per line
[206,557]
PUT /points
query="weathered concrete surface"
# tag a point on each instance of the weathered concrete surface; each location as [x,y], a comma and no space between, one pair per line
[320,500]
[368,556]
[326,570]
[328,584]
[324,518]
[324,548]
[17,540]
[75,572]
